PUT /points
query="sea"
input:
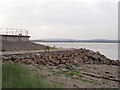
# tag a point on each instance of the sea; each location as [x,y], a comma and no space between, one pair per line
[110,50]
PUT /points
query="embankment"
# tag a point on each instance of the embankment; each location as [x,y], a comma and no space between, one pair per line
[20,45]
[70,57]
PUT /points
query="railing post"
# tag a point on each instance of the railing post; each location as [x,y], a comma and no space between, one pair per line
[6,32]
[10,31]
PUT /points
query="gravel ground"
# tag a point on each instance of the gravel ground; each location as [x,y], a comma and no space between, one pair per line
[83,76]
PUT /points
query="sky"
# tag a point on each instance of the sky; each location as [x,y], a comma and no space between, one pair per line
[63,19]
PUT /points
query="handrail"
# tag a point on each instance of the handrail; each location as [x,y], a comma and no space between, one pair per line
[11,31]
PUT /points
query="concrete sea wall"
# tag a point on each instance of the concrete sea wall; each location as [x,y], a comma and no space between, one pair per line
[18,42]
[14,38]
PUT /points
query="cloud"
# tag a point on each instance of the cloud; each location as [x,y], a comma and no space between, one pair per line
[62,16]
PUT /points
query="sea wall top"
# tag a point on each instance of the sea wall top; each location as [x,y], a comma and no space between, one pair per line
[11,31]
[8,34]
[14,38]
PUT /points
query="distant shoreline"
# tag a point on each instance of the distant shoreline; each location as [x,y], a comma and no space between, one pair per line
[79,41]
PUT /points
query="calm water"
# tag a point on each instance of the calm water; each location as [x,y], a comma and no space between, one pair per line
[108,49]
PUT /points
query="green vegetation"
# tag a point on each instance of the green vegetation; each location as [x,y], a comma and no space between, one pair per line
[3,50]
[68,67]
[73,73]
[47,48]
[95,68]
[17,76]
[0,74]
[78,65]
[50,69]
[58,73]
[84,80]
[91,67]
[39,68]
[54,47]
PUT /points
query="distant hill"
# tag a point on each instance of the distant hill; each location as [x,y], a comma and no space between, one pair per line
[74,40]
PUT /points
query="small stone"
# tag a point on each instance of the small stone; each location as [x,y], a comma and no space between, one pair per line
[23,61]
[61,65]
[13,58]
[97,52]
[63,69]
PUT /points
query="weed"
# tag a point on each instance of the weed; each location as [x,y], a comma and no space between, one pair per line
[68,67]
[3,50]
[50,69]
[95,68]
[73,73]
[38,67]
[17,76]
[89,81]
[78,65]
[58,73]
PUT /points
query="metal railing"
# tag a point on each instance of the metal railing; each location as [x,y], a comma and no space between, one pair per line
[11,31]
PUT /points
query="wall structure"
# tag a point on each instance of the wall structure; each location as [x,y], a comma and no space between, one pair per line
[14,38]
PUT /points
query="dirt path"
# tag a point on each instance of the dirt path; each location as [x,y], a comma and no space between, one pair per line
[31,51]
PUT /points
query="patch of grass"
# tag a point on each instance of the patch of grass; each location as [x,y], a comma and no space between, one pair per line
[95,68]
[38,67]
[48,75]
[0,74]
[58,73]
[3,50]
[51,69]
[68,67]
[67,75]
[46,49]
[17,76]
[78,65]
[89,81]
[91,67]
[70,74]
[88,67]
[73,73]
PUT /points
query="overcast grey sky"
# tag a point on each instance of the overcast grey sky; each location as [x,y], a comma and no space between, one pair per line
[70,19]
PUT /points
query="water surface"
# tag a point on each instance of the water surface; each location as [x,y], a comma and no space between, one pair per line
[108,49]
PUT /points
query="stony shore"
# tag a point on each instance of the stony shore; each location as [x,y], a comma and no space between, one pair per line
[82,76]
[70,57]
[75,68]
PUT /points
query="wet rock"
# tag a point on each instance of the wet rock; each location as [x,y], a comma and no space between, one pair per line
[65,58]
[23,61]
[43,61]
[5,58]
[76,86]
[50,64]
[97,52]
[37,54]
[14,57]
[72,57]
[117,62]
[61,65]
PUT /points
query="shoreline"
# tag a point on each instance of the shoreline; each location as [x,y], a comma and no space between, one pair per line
[75,68]
[71,56]
[74,42]
[104,48]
